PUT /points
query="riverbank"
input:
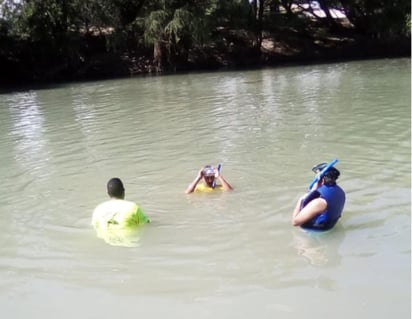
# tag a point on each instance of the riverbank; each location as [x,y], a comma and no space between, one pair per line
[274,51]
[231,49]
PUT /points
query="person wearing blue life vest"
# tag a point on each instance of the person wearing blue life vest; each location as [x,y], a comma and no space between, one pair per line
[321,208]
[117,213]
[208,175]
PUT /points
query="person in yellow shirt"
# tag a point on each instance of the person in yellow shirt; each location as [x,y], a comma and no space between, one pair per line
[117,213]
[208,175]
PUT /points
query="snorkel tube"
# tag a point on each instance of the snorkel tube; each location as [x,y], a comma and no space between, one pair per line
[320,175]
[219,166]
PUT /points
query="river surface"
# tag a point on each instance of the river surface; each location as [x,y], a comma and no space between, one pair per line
[220,255]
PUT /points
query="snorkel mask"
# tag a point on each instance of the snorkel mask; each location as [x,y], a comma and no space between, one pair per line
[317,168]
[209,171]
[330,176]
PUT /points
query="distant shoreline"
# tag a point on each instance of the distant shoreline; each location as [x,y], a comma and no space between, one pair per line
[272,54]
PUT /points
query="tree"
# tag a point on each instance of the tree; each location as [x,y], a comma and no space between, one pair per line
[378,18]
[173,28]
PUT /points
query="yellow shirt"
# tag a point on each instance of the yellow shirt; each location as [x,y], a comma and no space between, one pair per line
[206,189]
[117,214]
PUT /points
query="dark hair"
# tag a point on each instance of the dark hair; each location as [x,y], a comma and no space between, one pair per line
[115,188]
[331,176]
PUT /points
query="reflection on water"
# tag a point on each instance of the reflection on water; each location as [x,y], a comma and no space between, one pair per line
[233,255]
[120,237]
[27,133]
[319,248]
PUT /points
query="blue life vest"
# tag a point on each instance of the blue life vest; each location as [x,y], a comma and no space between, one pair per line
[335,199]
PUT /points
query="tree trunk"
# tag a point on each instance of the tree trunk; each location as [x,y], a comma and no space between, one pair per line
[260,23]
[158,57]
[324,6]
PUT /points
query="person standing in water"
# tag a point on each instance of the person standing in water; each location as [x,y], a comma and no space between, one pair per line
[321,208]
[208,175]
[117,213]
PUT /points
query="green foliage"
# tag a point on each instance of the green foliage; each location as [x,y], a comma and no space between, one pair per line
[154,26]
[233,13]
[66,33]
[174,27]
[185,25]
[378,17]
[177,26]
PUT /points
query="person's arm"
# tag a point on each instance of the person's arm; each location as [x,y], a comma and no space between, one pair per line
[94,222]
[298,206]
[192,186]
[306,196]
[142,218]
[95,219]
[312,209]
[226,186]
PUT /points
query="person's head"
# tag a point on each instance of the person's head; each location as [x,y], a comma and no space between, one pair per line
[208,174]
[115,188]
[330,176]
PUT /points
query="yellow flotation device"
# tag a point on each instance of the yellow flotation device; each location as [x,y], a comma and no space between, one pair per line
[202,188]
[118,214]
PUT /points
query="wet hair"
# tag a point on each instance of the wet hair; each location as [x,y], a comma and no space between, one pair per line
[331,176]
[115,188]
